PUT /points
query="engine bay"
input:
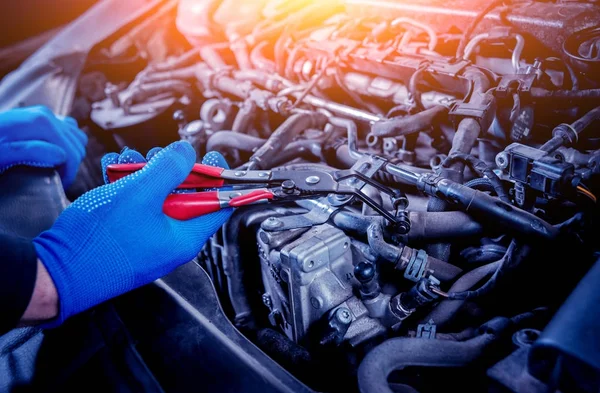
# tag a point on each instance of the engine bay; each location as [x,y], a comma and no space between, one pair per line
[471,132]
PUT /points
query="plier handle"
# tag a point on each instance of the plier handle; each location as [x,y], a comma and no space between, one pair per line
[253,186]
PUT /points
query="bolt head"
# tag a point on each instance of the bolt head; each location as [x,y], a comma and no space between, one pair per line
[287,184]
[343,315]
[273,222]
[316,303]
[311,180]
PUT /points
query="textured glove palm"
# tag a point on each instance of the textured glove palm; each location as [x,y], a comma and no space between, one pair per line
[36,137]
[116,237]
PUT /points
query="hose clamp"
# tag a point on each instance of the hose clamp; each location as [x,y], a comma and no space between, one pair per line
[415,269]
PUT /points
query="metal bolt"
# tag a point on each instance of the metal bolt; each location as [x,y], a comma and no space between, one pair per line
[502,160]
[316,303]
[525,337]
[266,299]
[311,180]
[179,116]
[343,315]
[112,92]
[239,174]
[273,222]
[288,186]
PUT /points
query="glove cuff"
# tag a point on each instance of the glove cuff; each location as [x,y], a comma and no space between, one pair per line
[87,265]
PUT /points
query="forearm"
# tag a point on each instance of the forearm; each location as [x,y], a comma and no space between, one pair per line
[44,300]
[18,276]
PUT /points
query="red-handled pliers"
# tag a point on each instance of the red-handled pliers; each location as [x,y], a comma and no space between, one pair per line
[253,186]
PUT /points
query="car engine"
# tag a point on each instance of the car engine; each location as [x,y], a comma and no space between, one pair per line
[471,129]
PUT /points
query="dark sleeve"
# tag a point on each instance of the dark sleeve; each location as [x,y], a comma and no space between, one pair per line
[18,271]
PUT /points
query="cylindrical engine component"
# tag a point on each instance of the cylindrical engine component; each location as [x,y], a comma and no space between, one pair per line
[286,132]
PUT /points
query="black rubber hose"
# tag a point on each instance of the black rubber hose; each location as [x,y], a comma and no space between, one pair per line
[232,252]
[408,124]
[211,57]
[284,134]
[398,353]
[245,117]
[515,254]
[442,225]
[466,135]
[147,90]
[543,94]
[567,134]
[446,309]
[482,169]
[259,61]
[413,88]
[298,149]
[225,140]
[175,74]
[442,270]
[424,225]
[481,184]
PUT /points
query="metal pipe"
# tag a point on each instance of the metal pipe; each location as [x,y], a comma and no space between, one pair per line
[339,109]
[403,174]
[375,195]
[475,41]
[350,127]
[516,54]
[426,28]
[517,51]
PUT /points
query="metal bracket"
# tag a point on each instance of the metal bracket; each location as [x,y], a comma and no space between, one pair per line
[509,84]
[427,331]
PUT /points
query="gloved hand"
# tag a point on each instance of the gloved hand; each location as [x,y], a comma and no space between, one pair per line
[34,136]
[116,237]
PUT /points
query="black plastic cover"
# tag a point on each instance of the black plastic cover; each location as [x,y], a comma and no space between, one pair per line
[567,355]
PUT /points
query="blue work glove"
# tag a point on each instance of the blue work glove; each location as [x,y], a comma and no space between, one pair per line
[34,136]
[116,237]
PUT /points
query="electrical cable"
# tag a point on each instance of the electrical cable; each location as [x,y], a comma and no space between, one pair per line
[469,30]
[587,193]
